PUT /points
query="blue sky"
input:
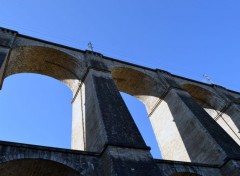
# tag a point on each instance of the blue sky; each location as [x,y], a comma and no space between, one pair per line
[188,38]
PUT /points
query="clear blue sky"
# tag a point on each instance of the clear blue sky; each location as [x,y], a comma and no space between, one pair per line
[187,37]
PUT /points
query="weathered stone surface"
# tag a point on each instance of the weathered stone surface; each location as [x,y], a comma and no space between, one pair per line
[231,167]
[174,168]
[105,122]
[181,134]
[25,159]
[7,37]
[35,167]
[179,110]
[3,63]
[127,161]
[220,108]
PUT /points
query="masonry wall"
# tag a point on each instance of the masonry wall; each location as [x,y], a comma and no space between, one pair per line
[193,122]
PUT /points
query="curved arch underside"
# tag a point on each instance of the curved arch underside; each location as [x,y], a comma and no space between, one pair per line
[205,98]
[35,167]
[45,61]
[137,84]
[134,82]
[217,108]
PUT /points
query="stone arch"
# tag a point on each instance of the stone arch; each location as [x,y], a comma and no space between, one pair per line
[215,106]
[209,100]
[36,167]
[45,61]
[134,82]
[38,155]
[138,84]
[204,97]
[41,102]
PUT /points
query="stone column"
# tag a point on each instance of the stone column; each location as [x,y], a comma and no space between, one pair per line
[228,116]
[6,41]
[105,119]
[108,126]
[78,119]
[231,117]
[186,132]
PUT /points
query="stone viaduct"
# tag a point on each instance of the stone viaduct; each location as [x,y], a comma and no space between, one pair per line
[196,124]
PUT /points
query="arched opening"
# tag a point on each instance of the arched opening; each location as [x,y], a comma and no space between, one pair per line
[137,85]
[35,167]
[204,97]
[217,108]
[45,61]
[139,114]
[35,109]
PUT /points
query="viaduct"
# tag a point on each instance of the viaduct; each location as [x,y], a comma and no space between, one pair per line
[196,124]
